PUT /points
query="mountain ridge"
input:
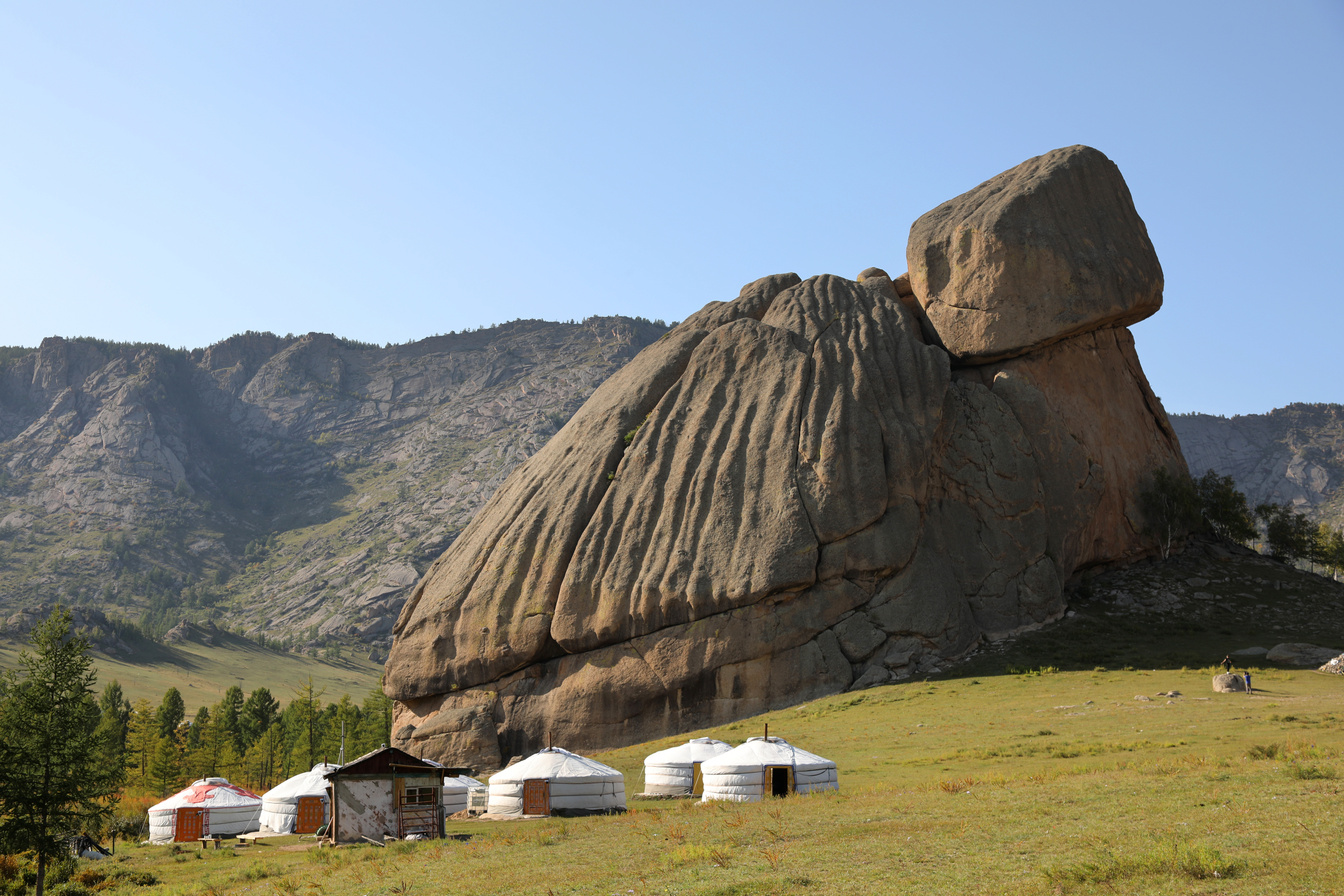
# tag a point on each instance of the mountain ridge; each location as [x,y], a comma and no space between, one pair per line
[291,488]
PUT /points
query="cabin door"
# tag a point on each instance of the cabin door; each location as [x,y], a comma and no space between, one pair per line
[697,780]
[537,797]
[779,780]
[311,815]
[190,825]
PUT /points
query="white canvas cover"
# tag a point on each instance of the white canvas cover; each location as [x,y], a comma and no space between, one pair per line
[672,771]
[577,784]
[232,809]
[740,773]
[457,793]
[280,804]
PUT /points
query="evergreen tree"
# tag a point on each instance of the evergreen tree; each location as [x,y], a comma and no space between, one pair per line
[260,764]
[171,713]
[375,724]
[165,767]
[339,718]
[229,716]
[305,711]
[198,727]
[54,778]
[142,738]
[114,723]
[258,713]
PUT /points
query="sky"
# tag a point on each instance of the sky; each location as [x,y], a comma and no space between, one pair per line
[180,172]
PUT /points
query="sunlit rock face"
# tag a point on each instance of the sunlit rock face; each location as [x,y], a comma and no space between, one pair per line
[821,485]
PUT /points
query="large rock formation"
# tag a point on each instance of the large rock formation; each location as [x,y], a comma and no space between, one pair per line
[821,485]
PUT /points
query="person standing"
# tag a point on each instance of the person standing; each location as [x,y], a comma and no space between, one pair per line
[1248,682]
[1227,664]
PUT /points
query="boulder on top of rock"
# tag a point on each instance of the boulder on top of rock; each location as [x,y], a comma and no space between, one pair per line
[1048,249]
[791,494]
[1298,654]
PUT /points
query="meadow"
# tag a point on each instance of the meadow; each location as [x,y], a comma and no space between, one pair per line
[1029,782]
[202,673]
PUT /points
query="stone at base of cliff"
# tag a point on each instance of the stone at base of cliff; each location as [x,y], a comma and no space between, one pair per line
[1302,655]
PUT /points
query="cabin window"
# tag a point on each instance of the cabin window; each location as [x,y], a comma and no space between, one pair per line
[421,796]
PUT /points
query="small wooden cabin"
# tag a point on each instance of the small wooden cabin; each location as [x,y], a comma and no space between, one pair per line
[386,793]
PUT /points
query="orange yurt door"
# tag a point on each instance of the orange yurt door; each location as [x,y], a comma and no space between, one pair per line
[311,815]
[537,797]
[190,825]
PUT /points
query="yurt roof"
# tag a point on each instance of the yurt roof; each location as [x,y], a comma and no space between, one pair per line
[554,763]
[698,750]
[760,751]
[209,793]
[461,784]
[309,783]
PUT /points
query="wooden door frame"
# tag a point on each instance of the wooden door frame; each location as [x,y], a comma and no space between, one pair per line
[546,785]
[769,773]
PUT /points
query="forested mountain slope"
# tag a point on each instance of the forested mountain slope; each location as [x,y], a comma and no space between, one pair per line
[292,488]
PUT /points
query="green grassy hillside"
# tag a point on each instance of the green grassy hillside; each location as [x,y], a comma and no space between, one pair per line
[204,672]
[1035,783]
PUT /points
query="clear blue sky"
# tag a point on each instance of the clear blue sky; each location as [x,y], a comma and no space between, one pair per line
[179,172]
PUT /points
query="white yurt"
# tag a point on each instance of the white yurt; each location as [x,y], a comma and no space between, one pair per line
[457,790]
[209,807]
[676,771]
[766,766]
[557,782]
[298,805]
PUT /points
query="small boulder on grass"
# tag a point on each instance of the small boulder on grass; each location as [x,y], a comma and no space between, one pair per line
[1227,683]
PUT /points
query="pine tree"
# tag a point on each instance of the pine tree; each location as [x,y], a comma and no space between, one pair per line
[165,767]
[142,738]
[228,716]
[171,713]
[54,777]
[257,715]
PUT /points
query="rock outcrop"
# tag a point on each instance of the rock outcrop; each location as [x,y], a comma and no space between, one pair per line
[821,485]
[1301,655]
[1293,455]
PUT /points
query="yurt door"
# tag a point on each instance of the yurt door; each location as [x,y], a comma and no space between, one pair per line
[190,825]
[311,815]
[779,779]
[537,797]
[697,780]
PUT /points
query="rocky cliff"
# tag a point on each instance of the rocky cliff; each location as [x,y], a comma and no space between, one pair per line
[819,485]
[290,487]
[1293,455]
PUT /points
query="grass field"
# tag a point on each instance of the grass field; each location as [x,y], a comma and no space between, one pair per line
[1035,783]
[204,672]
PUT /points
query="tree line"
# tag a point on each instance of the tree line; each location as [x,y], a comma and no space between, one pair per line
[1175,504]
[67,756]
[248,739]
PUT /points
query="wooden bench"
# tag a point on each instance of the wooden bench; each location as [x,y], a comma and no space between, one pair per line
[207,841]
